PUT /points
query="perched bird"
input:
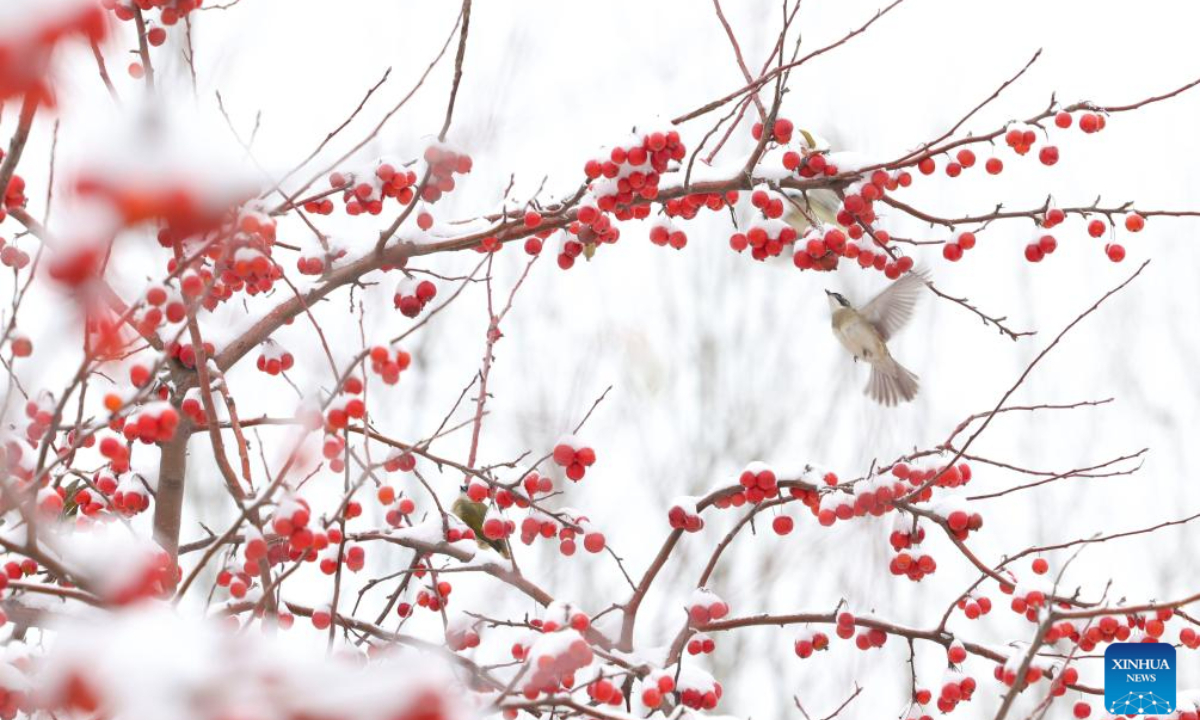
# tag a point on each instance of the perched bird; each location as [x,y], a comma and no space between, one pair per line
[820,205]
[866,330]
[473,514]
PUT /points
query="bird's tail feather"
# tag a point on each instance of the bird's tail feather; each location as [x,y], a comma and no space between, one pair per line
[891,383]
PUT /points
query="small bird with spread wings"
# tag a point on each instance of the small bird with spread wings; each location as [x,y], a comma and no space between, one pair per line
[866,330]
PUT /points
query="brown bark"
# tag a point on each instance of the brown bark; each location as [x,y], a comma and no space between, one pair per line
[168,502]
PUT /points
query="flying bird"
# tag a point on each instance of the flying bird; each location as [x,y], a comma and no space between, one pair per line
[865,332]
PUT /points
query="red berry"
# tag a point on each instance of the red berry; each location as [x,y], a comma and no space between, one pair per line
[783,524]
[1063,119]
[1115,252]
[1134,222]
[1096,228]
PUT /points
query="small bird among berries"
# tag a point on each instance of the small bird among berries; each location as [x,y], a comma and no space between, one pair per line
[473,514]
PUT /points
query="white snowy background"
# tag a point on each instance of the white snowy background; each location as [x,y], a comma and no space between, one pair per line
[716,360]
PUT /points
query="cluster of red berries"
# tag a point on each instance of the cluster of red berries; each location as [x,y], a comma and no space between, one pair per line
[40,411]
[910,564]
[688,206]
[553,661]
[557,616]
[697,689]
[537,524]
[956,688]
[346,406]
[1109,629]
[953,250]
[294,547]
[1134,223]
[413,295]
[479,491]
[701,644]
[705,606]
[605,692]
[683,515]
[962,522]
[153,423]
[128,498]
[664,232]
[243,261]
[574,456]
[400,461]
[50,501]
[593,540]
[435,596]
[159,304]
[869,638]
[404,506]
[495,526]
[632,172]
[461,633]
[290,520]
[951,477]
[387,365]
[1089,122]
[443,164]
[312,265]
[590,229]
[116,453]
[273,358]
[193,407]
[656,686]
[354,557]
[14,194]
[1025,602]
[781,131]
[185,354]
[170,12]
[28,45]
[824,247]
[1007,673]
[12,256]
[808,163]
[810,641]
[974,606]
[367,193]
[758,482]
[458,531]
[767,235]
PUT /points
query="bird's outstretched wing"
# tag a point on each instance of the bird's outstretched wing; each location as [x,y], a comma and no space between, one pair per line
[891,309]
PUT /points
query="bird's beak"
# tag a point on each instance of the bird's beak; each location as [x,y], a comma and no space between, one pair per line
[828,292]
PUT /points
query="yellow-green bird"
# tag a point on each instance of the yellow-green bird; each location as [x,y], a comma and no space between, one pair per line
[473,514]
